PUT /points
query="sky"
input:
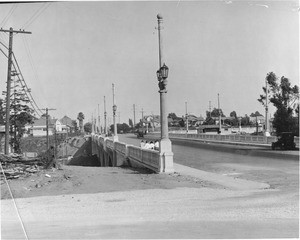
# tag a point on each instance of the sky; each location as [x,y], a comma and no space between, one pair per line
[77,50]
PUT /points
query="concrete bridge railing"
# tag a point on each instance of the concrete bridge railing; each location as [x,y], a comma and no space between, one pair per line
[116,153]
[228,138]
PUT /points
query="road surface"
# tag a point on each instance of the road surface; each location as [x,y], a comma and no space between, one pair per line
[180,212]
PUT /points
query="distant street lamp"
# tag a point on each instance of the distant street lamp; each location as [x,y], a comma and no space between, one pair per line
[165,147]
[187,119]
[114,115]
[240,124]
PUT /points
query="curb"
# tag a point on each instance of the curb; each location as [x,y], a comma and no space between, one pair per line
[226,181]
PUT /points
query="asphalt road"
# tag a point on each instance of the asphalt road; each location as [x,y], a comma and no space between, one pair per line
[180,212]
[279,169]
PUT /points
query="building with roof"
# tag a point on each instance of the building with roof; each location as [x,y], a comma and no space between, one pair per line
[67,125]
[39,127]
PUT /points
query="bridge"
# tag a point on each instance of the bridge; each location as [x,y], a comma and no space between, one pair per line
[115,153]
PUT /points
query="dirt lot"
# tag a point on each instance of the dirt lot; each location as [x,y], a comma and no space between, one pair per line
[81,180]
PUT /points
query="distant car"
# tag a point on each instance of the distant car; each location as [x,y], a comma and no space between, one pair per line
[285,141]
[140,134]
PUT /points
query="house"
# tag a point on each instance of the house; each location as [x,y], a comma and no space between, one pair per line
[39,127]
[67,125]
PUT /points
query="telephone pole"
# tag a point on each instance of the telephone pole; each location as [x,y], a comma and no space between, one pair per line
[133,115]
[7,122]
[105,116]
[209,107]
[220,126]
[187,119]
[142,119]
[99,127]
[47,125]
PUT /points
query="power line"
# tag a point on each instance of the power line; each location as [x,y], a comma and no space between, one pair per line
[25,84]
[30,58]
[3,53]
[36,15]
[9,15]
[3,45]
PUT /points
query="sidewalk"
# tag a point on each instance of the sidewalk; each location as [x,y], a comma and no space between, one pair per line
[226,181]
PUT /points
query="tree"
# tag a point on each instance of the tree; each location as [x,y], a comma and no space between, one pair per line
[286,100]
[130,122]
[256,114]
[74,124]
[215,113]
[172,115]
[80,118]
[20,113]
[87,127]
[233,114]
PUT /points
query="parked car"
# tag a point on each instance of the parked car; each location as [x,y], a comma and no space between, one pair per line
[284,141]
[139,134]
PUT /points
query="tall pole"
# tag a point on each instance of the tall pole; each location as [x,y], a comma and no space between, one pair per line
[152,121]
[142,120]
[47,129]
[165,145]
[99,128]
[114,114]
[105,118]
[8,86]
[210,109]
[133,115]
[220,124]
[267,109]
[47,124]
[163,99]
[186,118]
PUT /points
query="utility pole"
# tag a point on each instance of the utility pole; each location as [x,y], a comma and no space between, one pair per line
[99,127]
[142,120]
[186,118]
[209,107]
[267,133]
[7,122]
[47,124]
[105,116]
[152,121]
[133,115]
[220,124]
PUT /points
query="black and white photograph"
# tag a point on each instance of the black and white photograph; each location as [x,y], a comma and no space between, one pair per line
[146,119]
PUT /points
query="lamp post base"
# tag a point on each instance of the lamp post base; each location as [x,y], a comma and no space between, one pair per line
[115,138]
[166,156]
[267,134]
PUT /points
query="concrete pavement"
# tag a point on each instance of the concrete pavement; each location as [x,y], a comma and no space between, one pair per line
[226,181]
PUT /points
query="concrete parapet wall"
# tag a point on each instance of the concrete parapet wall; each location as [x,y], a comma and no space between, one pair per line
[116,153]
[227,138]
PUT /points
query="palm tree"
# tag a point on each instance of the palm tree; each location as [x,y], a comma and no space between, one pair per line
[80,118]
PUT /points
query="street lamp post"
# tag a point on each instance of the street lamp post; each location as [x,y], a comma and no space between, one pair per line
[165,146]
[267,131]
[187,119]
[105,119]
[115,138]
